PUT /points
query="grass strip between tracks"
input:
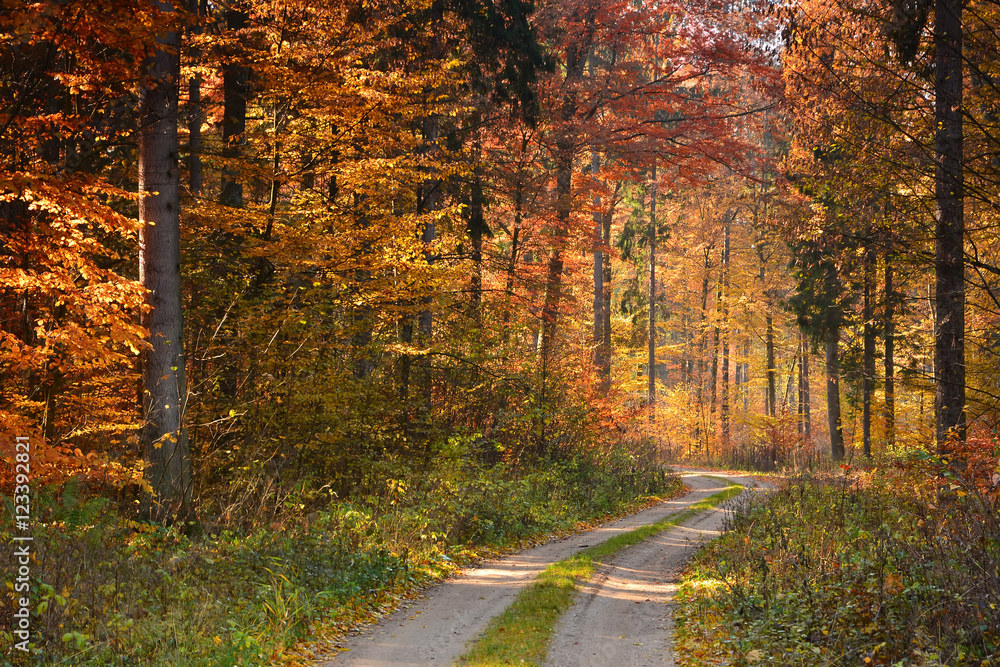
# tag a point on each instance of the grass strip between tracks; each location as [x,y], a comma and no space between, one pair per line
[521,634]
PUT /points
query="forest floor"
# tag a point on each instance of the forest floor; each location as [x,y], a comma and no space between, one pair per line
[623,616]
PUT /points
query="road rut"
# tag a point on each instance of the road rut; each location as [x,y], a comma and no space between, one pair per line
[624,615]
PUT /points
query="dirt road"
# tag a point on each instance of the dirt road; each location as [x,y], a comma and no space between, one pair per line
[435,630]
[624,615]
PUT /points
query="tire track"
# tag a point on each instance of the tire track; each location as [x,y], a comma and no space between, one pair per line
[624,615]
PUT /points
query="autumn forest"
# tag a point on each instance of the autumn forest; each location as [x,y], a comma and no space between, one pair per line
[305,304]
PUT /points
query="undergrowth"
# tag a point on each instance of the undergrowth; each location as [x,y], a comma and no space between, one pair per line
[111,591]
[896,567]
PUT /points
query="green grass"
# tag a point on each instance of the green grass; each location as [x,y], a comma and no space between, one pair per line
[520,636]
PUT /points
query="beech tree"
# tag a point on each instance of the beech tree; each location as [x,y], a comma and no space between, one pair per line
[67,291]
[164,396]
[949,194]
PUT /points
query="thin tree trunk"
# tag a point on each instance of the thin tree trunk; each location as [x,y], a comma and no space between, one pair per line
[949,293]
[799,407]
[771,379]
[477,229]
[405,362]
[746,376]
[195,113]
[605,367]
[560,236]
[425,318]
[890,346]
[790,385]
[429,200]
[703,339]
[868,363]
[512,262]
[724,397]
[651,388]
[234,115]
[724,300]
[272,204]
[804,398]
[577,55]
[833,395]
[598,339]
[163,436]
[361,316]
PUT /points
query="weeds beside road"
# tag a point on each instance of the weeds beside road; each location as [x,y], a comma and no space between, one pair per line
[884,567]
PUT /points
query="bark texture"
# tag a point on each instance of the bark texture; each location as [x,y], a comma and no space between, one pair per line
[833,394]
[163,436]
[949,293]
[235,77]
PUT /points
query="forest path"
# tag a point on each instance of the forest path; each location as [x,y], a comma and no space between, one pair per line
[435,629]
[624,615]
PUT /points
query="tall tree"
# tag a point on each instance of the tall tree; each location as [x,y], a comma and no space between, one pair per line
[724,407]
[889,354]
[949,193]
[164,398]
[822,304]
[235,79]
[576,53]
[868,355]
[651,360]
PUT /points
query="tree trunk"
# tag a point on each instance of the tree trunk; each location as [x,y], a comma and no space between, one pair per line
[275,190]
[738,379]
[477,229]
[577,55]
[605,366]
[651,380]
[425,318]
[771,379]
[724,301]
[833,395]
[234,115]
[405,363]
[512,262]
[949,340]
[163,436]
[195,113]
[790,386]
[724,393]
[868,363]
[429,200]
[746,376]
[361,316]
[890,346]
[598,340]
[703,342]
[553,277]
[804,399]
